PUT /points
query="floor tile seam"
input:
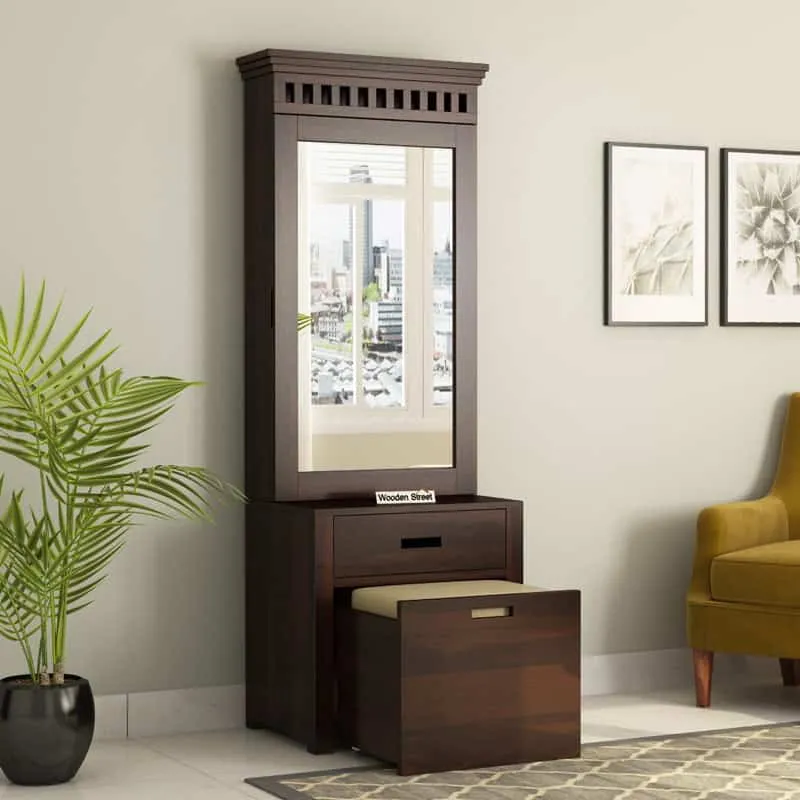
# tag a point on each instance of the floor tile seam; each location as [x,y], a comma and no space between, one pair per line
[177,760]
[243,791]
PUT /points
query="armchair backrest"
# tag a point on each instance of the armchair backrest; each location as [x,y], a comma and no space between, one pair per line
[787,478]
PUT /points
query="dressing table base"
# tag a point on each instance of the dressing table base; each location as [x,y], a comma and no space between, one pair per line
[304,558]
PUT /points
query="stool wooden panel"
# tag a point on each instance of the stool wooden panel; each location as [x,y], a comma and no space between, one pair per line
[440,689]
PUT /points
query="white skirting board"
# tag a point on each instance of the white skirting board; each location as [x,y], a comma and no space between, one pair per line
[222,707]
[172,711]
[654,670]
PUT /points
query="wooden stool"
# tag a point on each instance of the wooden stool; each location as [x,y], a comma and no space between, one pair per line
[460,675]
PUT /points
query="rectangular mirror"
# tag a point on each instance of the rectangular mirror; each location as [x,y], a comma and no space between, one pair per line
[375,285]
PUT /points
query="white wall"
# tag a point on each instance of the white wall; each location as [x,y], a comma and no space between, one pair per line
[120,182]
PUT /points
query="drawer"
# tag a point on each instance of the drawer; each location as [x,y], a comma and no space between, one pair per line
[433,541]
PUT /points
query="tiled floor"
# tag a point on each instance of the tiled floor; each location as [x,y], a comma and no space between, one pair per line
[211,766]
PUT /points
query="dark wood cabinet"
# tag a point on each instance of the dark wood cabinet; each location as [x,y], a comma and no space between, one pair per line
[296,98]
[305,558]
[314,533]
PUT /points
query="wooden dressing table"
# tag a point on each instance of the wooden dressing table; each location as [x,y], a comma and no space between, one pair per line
[313,533]
[305,557]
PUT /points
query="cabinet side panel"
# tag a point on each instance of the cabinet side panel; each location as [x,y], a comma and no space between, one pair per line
[280,620]
[514,539]
[324,734]
[285,349]
[369,694]
[465,273]
[259,237]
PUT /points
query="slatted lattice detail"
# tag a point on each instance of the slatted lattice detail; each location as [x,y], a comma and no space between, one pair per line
[367,87]
[375,97]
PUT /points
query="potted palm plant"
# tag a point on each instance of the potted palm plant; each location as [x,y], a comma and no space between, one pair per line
[77,423]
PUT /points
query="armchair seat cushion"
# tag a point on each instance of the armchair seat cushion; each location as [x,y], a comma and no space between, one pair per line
[768,574]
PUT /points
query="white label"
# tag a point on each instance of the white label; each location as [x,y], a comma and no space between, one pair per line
[413,496]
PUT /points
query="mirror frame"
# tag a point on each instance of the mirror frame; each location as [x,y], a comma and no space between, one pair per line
[296,96]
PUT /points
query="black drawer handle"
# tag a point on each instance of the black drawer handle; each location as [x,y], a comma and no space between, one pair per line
[420,541]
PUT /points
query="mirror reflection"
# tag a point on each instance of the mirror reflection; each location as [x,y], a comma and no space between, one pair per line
[375,278]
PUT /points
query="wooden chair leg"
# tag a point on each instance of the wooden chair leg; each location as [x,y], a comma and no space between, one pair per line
[789,671]
[703,667]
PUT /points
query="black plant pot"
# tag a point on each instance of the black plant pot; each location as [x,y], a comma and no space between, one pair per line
[45,731]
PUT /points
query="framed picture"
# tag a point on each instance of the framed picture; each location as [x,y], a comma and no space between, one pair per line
[760,237]
[656,234]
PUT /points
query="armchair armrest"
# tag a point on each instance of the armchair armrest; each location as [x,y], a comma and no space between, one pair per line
[734,526]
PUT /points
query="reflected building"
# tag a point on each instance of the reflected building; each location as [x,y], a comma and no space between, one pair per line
[326,263]
[361,243]
[388,271]
[443,334]
[396,273]
[443,267]
[443,302]
[386,322]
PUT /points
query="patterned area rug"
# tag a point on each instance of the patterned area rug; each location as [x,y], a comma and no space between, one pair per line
[751,764]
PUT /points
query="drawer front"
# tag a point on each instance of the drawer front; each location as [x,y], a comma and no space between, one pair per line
[434,541]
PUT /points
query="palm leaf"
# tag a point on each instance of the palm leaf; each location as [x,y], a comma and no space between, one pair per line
[32,326]
[80,424]
[20,323]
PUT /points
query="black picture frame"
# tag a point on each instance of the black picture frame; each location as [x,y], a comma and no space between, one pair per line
[754,294]
[656,308]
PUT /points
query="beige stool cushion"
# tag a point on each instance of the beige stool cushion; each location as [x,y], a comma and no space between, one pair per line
[383,600]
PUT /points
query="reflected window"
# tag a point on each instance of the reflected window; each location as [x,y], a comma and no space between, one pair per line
[376,278]
[441,300]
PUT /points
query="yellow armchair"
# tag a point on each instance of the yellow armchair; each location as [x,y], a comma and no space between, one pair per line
[744,596]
